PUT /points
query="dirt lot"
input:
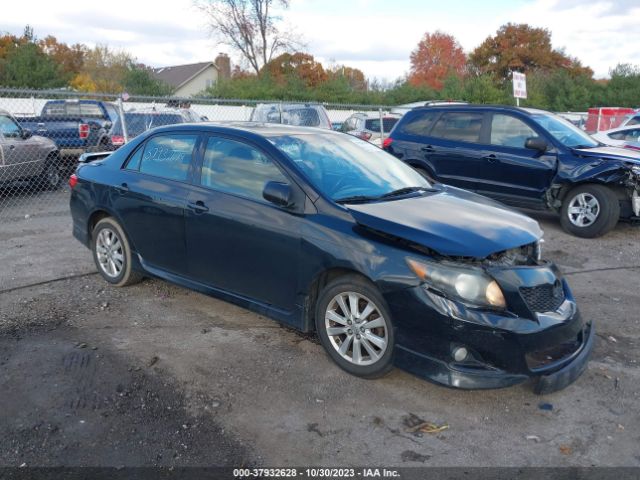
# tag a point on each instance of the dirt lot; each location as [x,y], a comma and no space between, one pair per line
[158,375]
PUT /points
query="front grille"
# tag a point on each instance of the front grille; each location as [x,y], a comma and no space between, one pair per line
[543,298]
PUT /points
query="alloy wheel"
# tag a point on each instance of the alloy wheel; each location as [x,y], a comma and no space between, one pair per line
[109,252]
[356,328]
[583,210]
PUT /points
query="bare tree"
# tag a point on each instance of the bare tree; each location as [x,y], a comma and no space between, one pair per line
[250,27]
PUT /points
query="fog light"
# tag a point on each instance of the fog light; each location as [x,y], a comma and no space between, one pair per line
[460,353]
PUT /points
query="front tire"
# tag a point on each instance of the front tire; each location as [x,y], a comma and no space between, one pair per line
[354,326]
[590,211]
[112,253]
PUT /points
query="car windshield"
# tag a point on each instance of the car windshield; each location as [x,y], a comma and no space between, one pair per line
[138,123]
[564,131]
[348,169]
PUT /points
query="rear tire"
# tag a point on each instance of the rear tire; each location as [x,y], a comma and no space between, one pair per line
[590,211]
[112,253]
[354,326]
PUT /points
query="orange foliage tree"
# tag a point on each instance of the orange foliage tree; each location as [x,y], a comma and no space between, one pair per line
[437,56]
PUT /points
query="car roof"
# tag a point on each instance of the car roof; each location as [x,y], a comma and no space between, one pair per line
[259,128]
[620,129]
[476,106]
[376,115]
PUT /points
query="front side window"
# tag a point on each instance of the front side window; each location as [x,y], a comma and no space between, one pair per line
[509,131]
[237,168]
[168,156]
[9,127]
[459,126]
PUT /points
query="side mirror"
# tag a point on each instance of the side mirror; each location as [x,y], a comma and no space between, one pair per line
[536,143]
[108,125]
[278,193]
[25,133]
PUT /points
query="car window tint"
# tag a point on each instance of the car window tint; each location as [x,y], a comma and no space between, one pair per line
[616,136]
[633,121]
[53,109]
[420,123]
[509,131]
[8,127]
[460,126]
[234,167]
[168,156]
[632,135]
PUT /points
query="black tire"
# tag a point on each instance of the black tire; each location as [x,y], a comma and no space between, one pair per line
[372,367]
[606,215]
[51,176]
[126,275]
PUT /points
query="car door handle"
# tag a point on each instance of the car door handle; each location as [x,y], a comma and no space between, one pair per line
[490,158]
[198,207]
[428,149]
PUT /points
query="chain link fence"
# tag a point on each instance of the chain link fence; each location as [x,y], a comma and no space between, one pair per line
[43,133]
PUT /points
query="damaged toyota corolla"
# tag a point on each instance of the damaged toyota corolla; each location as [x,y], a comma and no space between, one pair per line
[323,231]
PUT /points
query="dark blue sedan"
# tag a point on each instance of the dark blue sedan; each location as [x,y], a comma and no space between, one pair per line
[326,232]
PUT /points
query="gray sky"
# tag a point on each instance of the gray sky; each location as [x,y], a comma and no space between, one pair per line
[374,35]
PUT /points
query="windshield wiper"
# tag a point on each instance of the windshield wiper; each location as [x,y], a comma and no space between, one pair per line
[586,146]
[405,190]
[357,199]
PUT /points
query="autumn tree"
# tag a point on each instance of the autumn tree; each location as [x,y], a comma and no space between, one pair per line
[300,65]
[70,59]
[522,48]
[251,27]
[23,64]
[352,76]
[437,56]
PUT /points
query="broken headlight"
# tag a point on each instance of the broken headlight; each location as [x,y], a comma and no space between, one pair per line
[470,285]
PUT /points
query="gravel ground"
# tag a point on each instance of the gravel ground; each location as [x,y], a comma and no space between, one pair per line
[154,374]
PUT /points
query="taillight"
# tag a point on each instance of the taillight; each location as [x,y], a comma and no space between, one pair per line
[83,130]
[117,140]
[387,142]
[73,180]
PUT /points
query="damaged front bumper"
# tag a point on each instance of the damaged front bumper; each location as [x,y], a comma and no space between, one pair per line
[541,335]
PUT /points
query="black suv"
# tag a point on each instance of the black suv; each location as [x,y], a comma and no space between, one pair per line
[523,157]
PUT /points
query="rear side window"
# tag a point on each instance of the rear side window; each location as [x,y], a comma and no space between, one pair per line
[168,156]
[419,123]
[634,121]
[374,124]
[509,131]
[237,168]
[459,126]
[628,135]
[91,110]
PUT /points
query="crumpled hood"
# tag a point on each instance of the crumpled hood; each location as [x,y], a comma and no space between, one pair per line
[611,153]
[450,221]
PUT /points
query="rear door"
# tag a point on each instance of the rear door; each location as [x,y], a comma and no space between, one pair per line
[237,241]
[152,197]
[511,172]
[454,147]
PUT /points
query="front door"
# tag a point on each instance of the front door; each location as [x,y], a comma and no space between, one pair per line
[236,240]
[513,173]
